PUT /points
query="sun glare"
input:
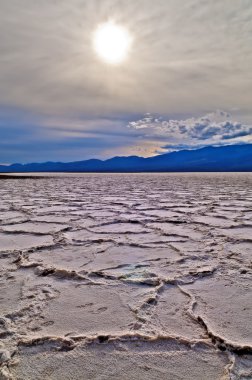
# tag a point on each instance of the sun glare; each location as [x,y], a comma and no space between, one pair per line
[112,43]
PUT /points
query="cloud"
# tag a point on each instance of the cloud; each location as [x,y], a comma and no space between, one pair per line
[215,128]
[25,139]
[188,57]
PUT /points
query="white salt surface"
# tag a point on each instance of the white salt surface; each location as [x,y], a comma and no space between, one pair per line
[11,242]
[35,227]
[118,276]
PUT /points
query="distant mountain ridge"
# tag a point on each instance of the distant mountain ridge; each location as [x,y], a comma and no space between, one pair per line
[209,159]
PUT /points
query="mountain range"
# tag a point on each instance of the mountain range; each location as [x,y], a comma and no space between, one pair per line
[230,158]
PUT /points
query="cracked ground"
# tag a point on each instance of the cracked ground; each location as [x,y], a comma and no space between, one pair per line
[125,276]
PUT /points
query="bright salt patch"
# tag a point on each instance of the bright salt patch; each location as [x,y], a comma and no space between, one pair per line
[10,242]
[122,360]
[225,307]
[37,228]
[91,309]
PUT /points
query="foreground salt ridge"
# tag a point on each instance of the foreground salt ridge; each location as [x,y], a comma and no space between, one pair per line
[162,271]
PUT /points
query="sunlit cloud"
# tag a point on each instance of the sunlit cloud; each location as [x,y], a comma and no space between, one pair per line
[216,128]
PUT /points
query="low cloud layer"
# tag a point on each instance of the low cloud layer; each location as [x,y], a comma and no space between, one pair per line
[217,128]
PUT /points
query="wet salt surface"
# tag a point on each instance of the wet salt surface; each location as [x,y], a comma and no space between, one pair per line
[126,277]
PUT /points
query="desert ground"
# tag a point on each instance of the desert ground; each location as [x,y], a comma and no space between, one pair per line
[126,276]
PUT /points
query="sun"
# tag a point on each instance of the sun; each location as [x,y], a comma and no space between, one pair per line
[112,42]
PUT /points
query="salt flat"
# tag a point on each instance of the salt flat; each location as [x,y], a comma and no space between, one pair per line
[126,276]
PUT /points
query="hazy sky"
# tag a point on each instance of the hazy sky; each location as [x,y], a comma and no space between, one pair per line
[187,81]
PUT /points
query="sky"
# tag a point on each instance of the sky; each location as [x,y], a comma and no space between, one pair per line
[185,83]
